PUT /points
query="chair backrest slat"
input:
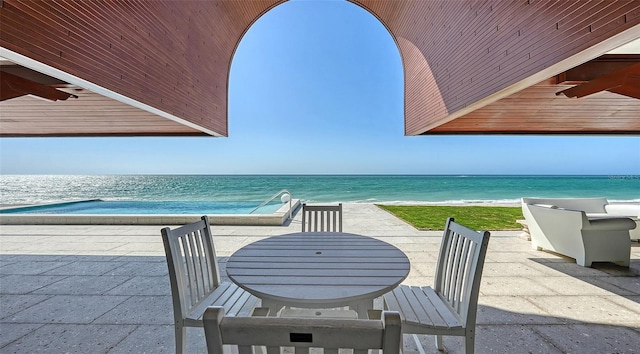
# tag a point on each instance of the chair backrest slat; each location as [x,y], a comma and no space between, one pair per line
[193,267]
[446,267]
[321,218]
[203,272]
[201,258]
[453,269]
[473,266]
[459,268]
[330,335]
[192,260]
[186,270]
[463,267]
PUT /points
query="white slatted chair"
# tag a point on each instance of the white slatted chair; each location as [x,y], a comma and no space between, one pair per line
[281,333]
[195,279]
[450,307]
[321,218]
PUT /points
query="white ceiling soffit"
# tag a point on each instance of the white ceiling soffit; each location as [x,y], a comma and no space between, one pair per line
[632,47]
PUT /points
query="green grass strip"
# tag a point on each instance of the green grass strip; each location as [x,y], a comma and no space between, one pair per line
[428,217]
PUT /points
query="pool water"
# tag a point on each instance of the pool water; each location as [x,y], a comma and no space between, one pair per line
[95,207]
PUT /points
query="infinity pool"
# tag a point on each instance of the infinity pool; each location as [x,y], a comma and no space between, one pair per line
[96,207]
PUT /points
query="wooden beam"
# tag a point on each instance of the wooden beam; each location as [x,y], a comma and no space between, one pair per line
[598,67]
[15,86]
[623,81]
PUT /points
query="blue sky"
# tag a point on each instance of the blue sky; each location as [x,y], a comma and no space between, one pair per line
[316,87]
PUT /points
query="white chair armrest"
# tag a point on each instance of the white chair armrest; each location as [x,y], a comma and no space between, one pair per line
[611,224]
[623,209]
[550,206]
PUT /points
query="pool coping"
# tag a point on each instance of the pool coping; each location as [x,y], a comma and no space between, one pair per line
[277,218]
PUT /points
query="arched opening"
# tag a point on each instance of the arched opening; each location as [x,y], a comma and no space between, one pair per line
[329,79]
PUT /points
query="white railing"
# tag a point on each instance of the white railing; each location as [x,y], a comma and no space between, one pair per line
[274,197]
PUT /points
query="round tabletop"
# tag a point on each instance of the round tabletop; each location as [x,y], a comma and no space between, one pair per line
[318,268]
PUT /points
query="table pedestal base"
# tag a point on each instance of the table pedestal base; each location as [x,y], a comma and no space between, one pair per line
[360,307]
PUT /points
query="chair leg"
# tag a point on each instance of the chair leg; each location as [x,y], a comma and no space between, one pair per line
[181,339]
[439,343]
[469,344]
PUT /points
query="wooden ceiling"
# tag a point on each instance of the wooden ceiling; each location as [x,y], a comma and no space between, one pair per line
[549,107]
[624,81]
[34,104]
[90,114]
[471,67]
[169,58]
[464,59]
[538,110]
[12,86]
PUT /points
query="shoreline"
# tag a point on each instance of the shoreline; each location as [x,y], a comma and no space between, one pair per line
[403,203]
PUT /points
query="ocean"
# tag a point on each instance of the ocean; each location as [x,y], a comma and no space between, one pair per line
[392,189]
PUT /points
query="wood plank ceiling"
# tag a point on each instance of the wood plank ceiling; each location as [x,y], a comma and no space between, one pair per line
[170,58]
[79,112]
[538,110]
[90,114]
[162,67]
[624,81]
[463,61]
[546,108]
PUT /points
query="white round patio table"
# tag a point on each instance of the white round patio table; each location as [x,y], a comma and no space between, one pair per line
[318,270]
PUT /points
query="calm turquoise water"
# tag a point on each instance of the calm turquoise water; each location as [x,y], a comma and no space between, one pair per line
[21,189]
[148,208]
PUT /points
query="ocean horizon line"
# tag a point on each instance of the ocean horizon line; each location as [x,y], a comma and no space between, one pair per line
[328,174]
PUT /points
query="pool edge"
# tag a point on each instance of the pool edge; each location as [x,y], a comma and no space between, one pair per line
[275,219]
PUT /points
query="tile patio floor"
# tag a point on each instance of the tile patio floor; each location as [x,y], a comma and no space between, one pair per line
[105,289]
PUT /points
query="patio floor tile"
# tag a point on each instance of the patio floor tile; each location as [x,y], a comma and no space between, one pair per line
[598,338]
[513,286]
[500,310]
[143,285]
[69,338]
[580,286]
[590,309]
[67,309]
[141,269]
[631,284]
[24,284]
[11,304]
[159,339]
[85,268]
[509,270]
[83,285]
[503,340]
[32,268]
[153,310]
[12,332]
